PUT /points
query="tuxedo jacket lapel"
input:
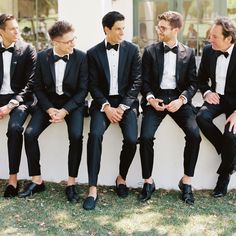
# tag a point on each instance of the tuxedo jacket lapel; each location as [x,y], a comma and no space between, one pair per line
[104,61]
[179,61]
[68,66]
[232,63]
[122,60]
[50,61]
[160,60]
[14,60]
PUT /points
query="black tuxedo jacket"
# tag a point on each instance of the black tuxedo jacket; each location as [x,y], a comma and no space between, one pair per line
[21,72]
[153,65]
[75,81]
[129,74]
[206,74]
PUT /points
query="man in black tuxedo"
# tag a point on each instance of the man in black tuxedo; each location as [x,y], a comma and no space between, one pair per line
[17,67]
[169,83]
[61,87]
[114,83]
[218,65]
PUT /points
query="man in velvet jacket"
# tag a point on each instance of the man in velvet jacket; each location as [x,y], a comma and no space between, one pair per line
[169,83]
[61,88]
[114,83]
[217,82]
[17,67]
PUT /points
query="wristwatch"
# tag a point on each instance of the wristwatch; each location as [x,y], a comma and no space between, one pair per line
[12,104]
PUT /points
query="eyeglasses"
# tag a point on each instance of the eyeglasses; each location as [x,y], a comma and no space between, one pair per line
[162,28]
[67,42]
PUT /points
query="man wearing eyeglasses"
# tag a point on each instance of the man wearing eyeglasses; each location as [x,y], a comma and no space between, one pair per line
[17,67]
[169,83]
[61,87]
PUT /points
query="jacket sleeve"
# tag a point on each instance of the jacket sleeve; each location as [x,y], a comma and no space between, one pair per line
[192,86]
[82,89]
[203,73]
[135,80]
[39,87]
[30,64]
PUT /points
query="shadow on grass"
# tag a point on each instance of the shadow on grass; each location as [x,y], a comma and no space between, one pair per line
[49,213]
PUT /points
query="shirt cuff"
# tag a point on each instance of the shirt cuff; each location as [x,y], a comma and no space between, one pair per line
[208,91]
[103,105]
[124,107]
[185,100]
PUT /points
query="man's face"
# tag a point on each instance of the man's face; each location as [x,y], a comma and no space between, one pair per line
[165,32]
[65,44]
[217,39]
[11,32]
[116,33]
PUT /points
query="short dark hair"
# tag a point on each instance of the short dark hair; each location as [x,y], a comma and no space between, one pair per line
[110,18]
[228,27]
[4,18]
[174,18]
[59,28]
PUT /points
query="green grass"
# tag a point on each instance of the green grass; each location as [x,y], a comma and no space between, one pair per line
[49,213]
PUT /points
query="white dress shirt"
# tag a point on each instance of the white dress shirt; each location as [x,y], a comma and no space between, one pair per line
[222,64]
[60,67]
[6,84]
[113,60]
[169,78]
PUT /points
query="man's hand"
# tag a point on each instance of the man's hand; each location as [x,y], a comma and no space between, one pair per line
[174,105]
[232,120]
[212,98]
[113,114]
[157,104]
[4,111]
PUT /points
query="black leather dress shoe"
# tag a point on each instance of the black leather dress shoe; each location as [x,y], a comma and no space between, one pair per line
[72,195]
[122,190]
[11,191]
[90,203]
[146,192]
[32,188]
[187,194]
[221,186]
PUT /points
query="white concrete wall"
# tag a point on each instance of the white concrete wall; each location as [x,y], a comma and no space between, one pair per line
[167,170]
[86,17]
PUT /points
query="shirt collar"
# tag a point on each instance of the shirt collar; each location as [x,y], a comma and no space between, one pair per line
[12,45]
[54,52]
[230,49]
[175,45]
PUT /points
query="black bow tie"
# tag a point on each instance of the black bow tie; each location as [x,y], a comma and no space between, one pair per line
[218,53]
[110,46]
[167,49]
[64,58]
[11,49]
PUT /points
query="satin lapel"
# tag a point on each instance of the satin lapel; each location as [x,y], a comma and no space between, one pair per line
[102,54]
[14,60]
[68,65]
[50,60]
[213,59]
[122,60]
[160,60]
[179,61]
[232,63]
